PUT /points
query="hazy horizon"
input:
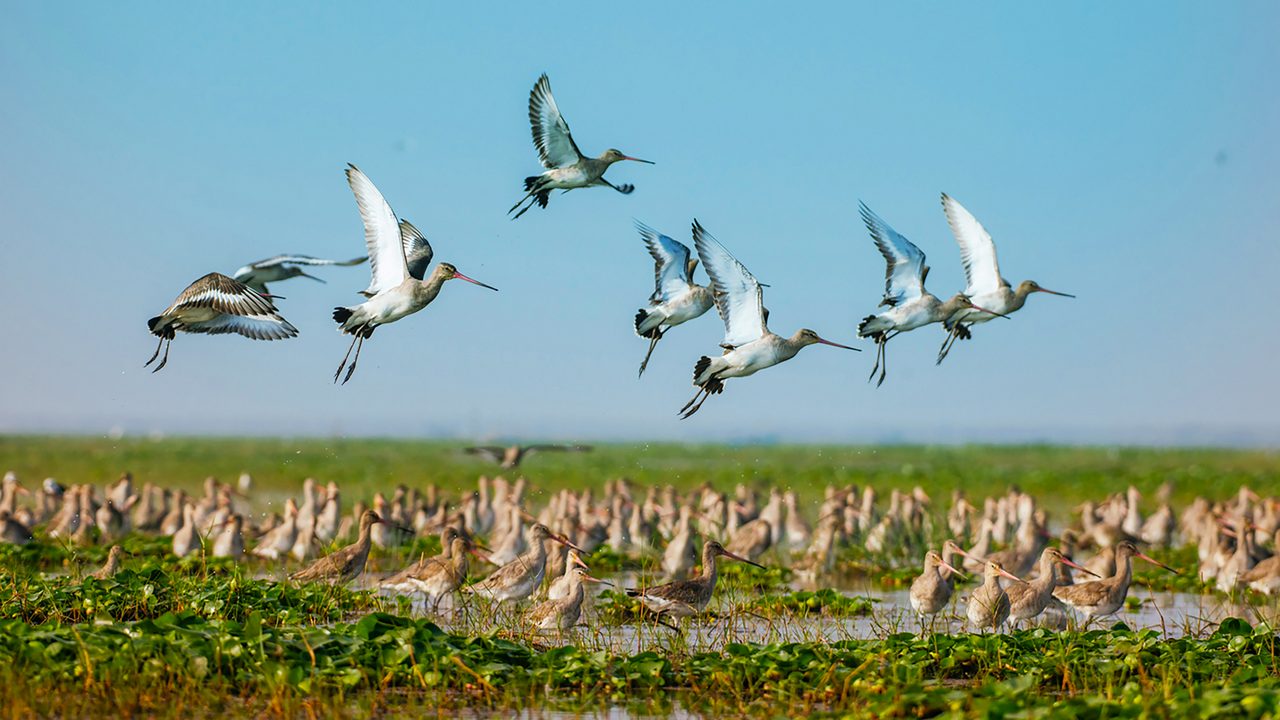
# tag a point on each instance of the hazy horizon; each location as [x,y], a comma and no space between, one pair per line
[1123,153]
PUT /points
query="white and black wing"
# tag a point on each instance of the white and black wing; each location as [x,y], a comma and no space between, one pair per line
[672,271]
[977,249]
[302,260]
[417,251]
[905,271]
[738,297]
[237,308]
[551,135]
[381,234]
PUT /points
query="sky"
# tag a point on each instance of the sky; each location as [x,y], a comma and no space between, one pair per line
[1123,152]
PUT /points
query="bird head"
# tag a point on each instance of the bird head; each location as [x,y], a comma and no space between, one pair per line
[613,155]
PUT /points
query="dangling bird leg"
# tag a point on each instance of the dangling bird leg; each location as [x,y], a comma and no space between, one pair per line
[350,347]
[352,368]
[155,354]
[653,343]
[164,359]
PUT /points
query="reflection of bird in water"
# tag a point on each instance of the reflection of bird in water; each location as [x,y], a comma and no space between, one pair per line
[510,457]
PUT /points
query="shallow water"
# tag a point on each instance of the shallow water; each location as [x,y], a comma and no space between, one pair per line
[1173,614]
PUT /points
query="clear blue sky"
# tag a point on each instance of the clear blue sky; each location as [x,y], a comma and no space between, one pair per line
[1125,152]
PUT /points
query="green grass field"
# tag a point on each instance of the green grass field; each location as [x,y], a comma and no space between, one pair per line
[362,467]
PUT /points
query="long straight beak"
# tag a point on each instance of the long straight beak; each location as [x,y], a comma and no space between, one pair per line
[953,570]
[567,543]
[577,560]
[845,347]
[479,555]
[1055,292]
[1009,575]
[1071,563]
[473,281]
[590,578]
[739,558]
[992,312]
[313,277]
[646,162]
[1153,561]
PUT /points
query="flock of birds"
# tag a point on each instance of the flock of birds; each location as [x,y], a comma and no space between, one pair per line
[399,257]
[1026,575]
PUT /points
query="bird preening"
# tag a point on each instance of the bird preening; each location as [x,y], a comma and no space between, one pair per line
[403,282]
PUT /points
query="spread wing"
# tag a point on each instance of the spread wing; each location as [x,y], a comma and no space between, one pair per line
[492,453]
[381,234]
[550,132]
[739,299]
[417,251]
[240,309]
[905,270]
[672,270]
[303,260]
[977,249]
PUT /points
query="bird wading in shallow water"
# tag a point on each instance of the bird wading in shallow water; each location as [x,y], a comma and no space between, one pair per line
[748,343]
[566,167]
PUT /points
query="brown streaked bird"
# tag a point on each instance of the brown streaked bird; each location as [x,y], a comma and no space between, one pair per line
[112,566]
[1105,596]
[685,598]
[566,167]
[564,612]
[562,586]
[511,456]
[989,603]
[1029,599]
[215,305]
[345,564]
[403,581]
[517,580]
[931,591]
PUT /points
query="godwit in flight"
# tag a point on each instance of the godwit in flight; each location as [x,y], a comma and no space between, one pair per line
[214,305]
[282,267]
[512,455]
[395,291]
[910,305]
[676,297]
[748,343]
[567,168]
[983,283]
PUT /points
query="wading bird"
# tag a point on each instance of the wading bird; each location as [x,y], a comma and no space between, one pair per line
[685,598]
[931,590]
[395,291]
[1105,596]
[989,604]
[344,565]
[511,456]
[748,343]
[282,267]
[562,613]
[983,283]
[567,168]
[214,305]
[910,305]
[676,298]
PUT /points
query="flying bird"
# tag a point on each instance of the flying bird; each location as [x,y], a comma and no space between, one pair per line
[910,305]
[214,305]
[748,343]
[983,283]
[566,167]
[676,298]
[511,456]
[282,267]
[395,291]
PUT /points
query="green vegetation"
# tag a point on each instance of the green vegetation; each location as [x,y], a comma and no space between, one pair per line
[202,637]
[364,466]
